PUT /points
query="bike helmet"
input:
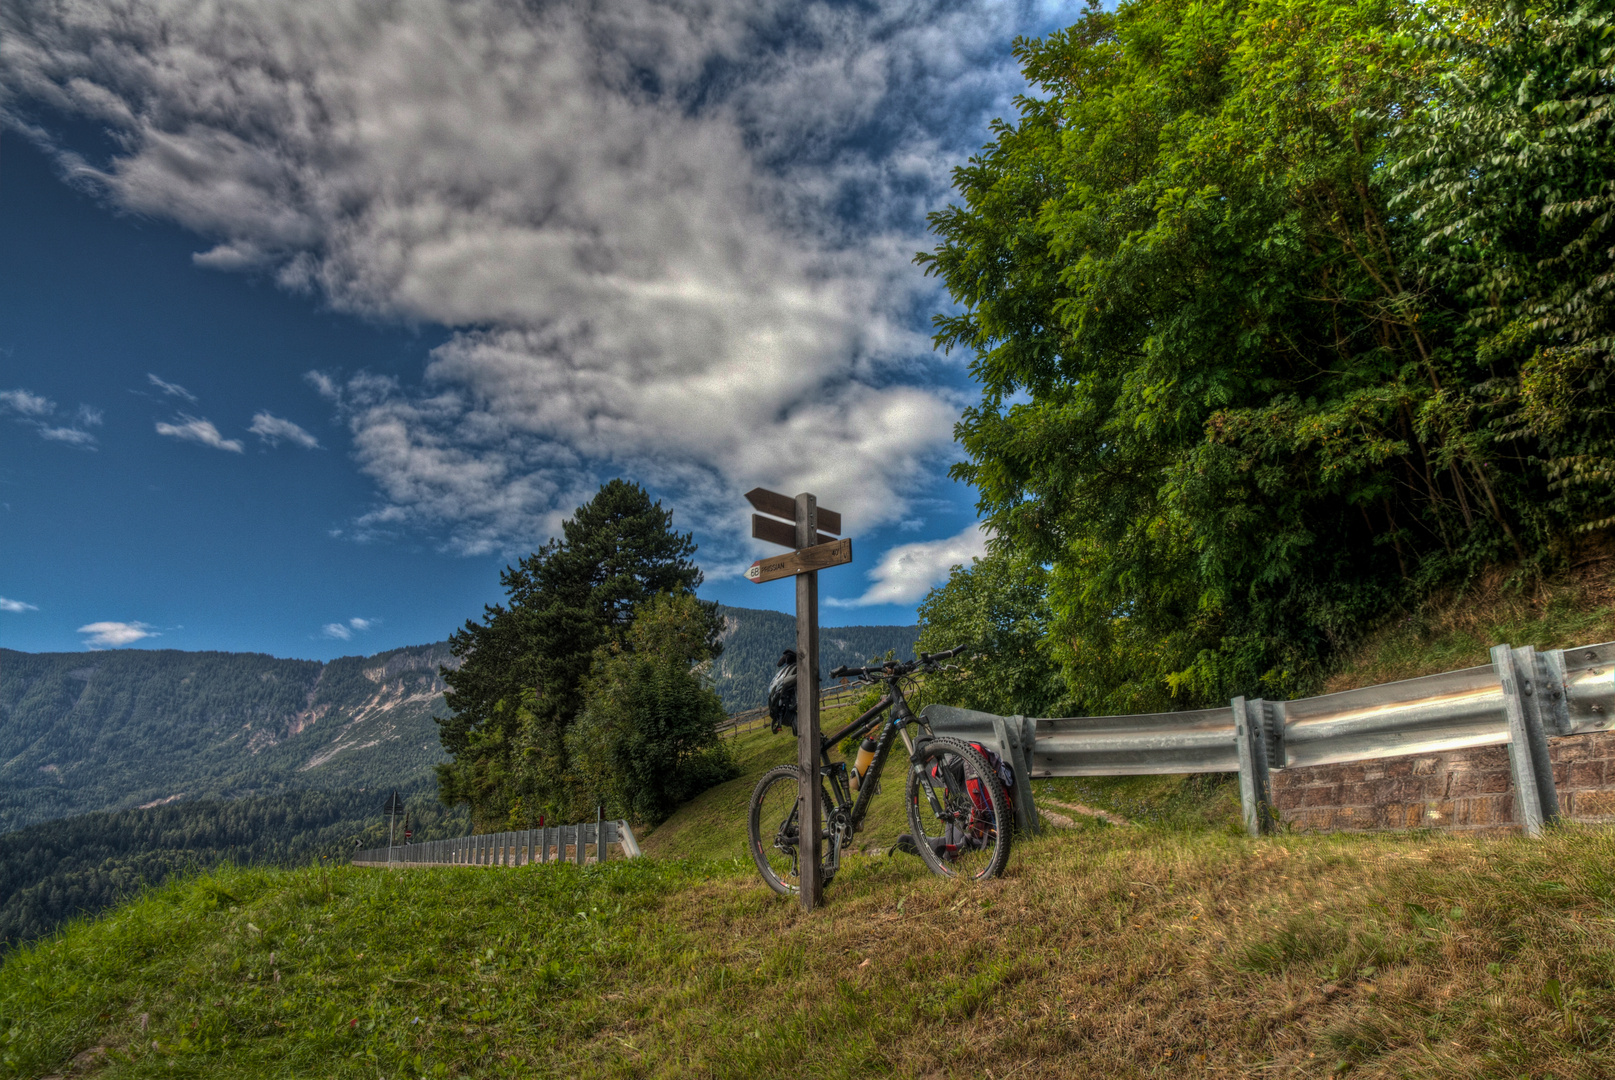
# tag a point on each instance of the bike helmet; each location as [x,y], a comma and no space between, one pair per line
[782,693]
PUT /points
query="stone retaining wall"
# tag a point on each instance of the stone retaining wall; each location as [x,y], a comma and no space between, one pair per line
[1460,790]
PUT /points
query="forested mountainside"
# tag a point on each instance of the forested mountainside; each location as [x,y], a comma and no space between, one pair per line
[88,732]
[83,732]
[56,870]
[753,641]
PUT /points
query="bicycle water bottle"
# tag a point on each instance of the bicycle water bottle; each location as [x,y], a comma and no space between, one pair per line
[866,754]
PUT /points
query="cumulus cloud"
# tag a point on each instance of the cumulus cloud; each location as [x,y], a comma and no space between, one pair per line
[171,389]
[15,606]
[113,635]
[197,430]
[271,429]
[909,571]
[40,413]
[673,239]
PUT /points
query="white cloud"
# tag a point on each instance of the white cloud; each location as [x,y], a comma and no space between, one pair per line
[21,401]
[908,571]
[193,429]
[15,606]
[37,411]
[345,631]
[171,389]
[271,429]
[673,239]
[112,635]
[71,436]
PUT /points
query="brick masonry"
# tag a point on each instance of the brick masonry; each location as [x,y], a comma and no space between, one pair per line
[1460,790]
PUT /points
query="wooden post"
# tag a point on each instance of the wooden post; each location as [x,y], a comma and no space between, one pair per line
[809,812]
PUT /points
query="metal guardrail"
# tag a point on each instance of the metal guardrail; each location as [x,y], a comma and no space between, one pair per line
[556,843]
[1521,699]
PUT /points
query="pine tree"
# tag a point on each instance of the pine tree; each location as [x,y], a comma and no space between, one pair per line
[519,686]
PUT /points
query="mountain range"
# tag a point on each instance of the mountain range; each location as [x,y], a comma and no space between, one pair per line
[116,730]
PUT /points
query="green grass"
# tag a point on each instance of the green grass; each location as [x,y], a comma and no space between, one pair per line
[1104,953]
[1457,629]
[713,824]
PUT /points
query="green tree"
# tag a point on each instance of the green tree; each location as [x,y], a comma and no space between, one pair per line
[519,686]
[1513,188]
[647,739]
[998,605]
[1219,400]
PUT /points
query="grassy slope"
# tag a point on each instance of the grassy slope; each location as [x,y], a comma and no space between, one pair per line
[1180,948]
[1105,953]
[713,825]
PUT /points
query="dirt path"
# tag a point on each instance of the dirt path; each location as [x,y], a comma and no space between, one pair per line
[1065,822]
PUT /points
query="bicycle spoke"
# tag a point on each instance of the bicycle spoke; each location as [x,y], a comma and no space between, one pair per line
[962,817]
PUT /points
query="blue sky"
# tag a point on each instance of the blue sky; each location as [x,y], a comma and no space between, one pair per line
[310,324]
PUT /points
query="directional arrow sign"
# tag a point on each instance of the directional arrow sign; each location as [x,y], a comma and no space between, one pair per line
[802,561]
[783,506]
[778,532]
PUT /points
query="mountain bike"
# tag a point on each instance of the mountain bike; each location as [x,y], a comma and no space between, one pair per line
[959,815]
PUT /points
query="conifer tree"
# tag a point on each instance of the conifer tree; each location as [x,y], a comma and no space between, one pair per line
[519,686]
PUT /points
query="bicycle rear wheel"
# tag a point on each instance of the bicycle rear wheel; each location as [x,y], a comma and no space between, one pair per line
[772,832]
[958,812]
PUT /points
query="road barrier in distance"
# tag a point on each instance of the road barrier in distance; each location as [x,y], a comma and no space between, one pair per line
[556,843]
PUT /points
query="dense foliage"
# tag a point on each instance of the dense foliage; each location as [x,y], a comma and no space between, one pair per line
[1239,396]
[520,685]
[999,607]
[53,872]
[83,732]
[644,741]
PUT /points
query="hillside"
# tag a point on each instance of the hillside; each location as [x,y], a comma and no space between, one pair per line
[56,870]
[754,639]
[1104,953]
[86,732]
[82,732]
[1180,947]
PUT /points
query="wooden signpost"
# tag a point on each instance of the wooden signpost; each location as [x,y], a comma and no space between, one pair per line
[812,551]
[804,561]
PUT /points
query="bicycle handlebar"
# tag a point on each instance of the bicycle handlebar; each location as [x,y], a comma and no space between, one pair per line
[894,669]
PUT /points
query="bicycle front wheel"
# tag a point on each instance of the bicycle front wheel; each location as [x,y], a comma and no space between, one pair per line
[958,812]
[773,834]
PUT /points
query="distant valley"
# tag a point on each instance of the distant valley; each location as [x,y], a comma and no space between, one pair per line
[117,730]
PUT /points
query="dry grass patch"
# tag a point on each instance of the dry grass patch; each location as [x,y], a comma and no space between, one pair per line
[1454,629]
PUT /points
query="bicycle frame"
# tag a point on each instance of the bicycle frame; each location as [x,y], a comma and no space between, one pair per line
[836,772]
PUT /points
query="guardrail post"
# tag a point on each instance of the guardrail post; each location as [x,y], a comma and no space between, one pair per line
[1255,791]
[1536,800]
[1010,732]
[1551,701]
